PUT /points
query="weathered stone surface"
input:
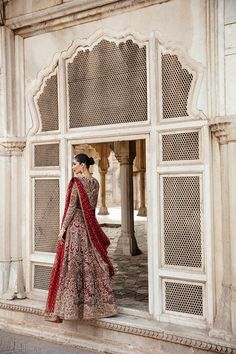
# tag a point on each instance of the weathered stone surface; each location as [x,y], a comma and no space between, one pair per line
[15,344]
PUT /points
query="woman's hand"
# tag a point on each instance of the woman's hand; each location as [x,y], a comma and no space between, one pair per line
[61,234]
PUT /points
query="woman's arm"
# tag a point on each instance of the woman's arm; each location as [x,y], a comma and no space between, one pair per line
[70,212]
[93,197]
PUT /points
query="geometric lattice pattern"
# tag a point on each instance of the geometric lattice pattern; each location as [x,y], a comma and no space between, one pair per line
[46,155]
[176,84]
[108,85]
[42,276]
[46,214]
[181,146]
[48,105]
[182,221]
[184,298]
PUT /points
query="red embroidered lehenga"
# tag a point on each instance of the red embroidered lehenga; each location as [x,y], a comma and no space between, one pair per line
[80,285]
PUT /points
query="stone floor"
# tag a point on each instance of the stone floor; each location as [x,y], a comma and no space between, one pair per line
[130,283]
[11,343]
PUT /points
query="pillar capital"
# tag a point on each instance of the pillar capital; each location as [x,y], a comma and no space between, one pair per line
[124,160]
[12,146]
[220,128]
[103,164]
[125,152]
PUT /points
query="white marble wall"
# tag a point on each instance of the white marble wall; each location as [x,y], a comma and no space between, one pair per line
[230,56]
[186,24]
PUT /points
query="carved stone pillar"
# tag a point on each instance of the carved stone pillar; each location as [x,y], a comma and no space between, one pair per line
[11,147]
[103,208]
[125,154]
[135,188]
[223,323]
[232,218]
[11,268]
[5,249]
[142,209]
[140,163]
[103,150]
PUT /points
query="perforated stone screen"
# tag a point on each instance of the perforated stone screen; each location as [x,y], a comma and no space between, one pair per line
[182,236]
[181,146]
[46,214]
[108,85]
[176,83]
[42,276]
[46,155]
[48,105]
[184,298]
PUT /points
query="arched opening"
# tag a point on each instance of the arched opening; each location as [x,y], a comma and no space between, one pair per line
[120,168]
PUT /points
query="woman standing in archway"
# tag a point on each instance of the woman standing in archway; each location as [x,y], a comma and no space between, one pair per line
[80,285]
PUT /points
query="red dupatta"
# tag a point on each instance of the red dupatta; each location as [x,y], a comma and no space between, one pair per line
[98,238]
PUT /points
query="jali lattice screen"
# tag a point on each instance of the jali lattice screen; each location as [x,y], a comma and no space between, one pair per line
[48,105]
[180,146]
[176,84]
[42,276]
[46,214]
[46,155]
[108,85]
[184,297]
[182,226]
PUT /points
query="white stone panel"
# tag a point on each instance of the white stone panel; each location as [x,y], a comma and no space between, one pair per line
[4,276]
[188,34]
[230,36]
[230,9]
[22,7]
[230,61]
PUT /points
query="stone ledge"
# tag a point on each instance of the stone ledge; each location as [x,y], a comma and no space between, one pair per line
[71,14]
[138,326]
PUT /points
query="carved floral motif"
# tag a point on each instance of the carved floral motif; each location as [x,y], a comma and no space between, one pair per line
[13,147]
[219,127]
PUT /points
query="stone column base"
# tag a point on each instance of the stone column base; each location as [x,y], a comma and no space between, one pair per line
[4,276]
[222,327]
[127,245]
[16,288]
[103,211]
[142,211]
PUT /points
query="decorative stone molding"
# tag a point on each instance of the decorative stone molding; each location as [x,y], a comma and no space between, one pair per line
[71,14]
[20,308]
[211,346]
[164,336]
[12,146]
[220,128]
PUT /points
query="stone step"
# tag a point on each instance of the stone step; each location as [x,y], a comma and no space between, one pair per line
[123,334]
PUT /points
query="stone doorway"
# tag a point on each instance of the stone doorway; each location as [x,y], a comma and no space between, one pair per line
[120,168]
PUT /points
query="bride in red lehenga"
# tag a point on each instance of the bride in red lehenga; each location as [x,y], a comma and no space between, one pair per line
[80,286]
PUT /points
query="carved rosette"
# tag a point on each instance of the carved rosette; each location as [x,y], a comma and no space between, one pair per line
[220,128]
[12,147]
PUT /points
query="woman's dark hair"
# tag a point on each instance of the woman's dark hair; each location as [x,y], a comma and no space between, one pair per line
[83,158]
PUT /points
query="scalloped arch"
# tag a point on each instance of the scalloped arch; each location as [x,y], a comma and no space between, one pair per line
[192,66]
